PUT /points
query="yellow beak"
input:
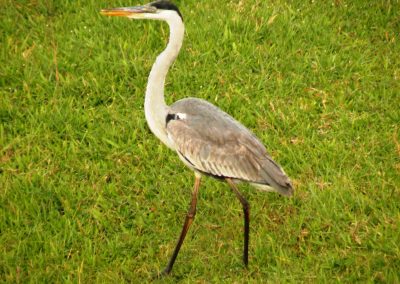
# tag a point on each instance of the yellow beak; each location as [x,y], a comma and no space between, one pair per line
[128,11]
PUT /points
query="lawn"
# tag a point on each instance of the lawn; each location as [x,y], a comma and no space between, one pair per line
[88,194]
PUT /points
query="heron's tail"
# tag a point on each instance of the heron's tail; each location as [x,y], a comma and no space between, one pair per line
[275,178]
[287,191]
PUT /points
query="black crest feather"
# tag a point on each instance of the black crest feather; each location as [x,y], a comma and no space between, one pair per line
[166,5]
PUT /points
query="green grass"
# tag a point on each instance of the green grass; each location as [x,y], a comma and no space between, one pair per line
[88,194]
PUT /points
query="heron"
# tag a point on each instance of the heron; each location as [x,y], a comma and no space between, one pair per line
[207,140]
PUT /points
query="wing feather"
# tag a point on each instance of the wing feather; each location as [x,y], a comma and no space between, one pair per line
[214,143]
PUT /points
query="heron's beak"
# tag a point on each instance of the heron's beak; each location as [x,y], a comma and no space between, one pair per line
[128,11]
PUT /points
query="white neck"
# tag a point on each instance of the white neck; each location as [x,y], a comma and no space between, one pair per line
[155,107]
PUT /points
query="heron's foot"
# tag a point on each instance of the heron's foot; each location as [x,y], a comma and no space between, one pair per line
[166,271]
[245,262]
[161,274]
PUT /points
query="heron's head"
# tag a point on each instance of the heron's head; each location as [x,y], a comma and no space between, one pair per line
[157,10]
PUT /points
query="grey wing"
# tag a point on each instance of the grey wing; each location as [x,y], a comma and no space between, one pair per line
[212,142]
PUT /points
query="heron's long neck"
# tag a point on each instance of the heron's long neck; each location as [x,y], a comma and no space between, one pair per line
[155,107]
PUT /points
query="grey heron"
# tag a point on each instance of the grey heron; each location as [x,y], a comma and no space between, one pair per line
[206,139]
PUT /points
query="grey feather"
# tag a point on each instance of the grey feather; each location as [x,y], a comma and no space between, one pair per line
[215,143]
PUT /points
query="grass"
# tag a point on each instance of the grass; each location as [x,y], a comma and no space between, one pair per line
[88,194]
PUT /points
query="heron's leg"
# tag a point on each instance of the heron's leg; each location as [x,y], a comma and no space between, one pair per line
[246,211]
[188,221]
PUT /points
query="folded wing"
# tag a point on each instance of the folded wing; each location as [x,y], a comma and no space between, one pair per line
[212,142]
